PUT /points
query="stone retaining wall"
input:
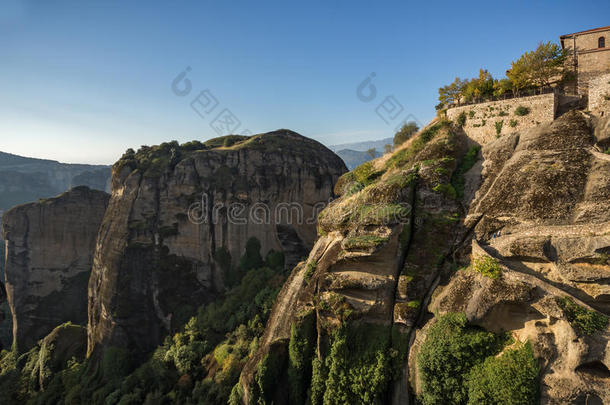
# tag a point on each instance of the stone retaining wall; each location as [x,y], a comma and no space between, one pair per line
[599,95]
[481,118]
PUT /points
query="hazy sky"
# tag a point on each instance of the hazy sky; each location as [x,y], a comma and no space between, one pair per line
[81,81]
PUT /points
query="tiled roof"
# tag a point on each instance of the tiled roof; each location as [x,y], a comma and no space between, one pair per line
[587,31]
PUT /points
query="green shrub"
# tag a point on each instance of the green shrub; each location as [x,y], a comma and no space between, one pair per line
[511,378]
[471,114]
[252,257]
[364,242]
[353,188]
[447,355]
[115,363]
[461,119]
[469,159]
[223,258]
[446,189]
[403,156]
[584,321]
[267,372]
[275,260]
[300,352]
[310,268]
[405,133]
[512,123]
[521,111]
[358,367]
[499,125]
[487,266]
[414,304]
[366,174]
[502,114]
[319,374]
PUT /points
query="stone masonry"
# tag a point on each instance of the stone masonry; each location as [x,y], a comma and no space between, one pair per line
[599,95]
[483,120]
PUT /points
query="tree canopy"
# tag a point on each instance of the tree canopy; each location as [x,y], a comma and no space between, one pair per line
[533,70]
[405,132]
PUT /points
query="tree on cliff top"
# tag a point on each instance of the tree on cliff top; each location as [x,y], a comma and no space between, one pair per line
[538,67]
[405,132]
[451,93]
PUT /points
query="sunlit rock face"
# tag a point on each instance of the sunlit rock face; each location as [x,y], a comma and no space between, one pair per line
[175,208]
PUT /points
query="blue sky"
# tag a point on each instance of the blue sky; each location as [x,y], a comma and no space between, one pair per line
[81,81]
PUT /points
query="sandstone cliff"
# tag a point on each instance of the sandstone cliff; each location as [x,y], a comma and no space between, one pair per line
[545,194]
[343,326]
[49,253]
[180,217]
[380,249]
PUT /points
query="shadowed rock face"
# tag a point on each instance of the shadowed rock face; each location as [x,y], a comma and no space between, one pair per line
[173,208]
[49,253]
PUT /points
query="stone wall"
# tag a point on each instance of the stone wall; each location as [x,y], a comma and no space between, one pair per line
[591,65]
[481,118]
[599,95]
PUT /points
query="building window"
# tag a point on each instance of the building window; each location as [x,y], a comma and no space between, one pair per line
[601,42]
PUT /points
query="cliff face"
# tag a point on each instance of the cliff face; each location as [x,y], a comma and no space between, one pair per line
[381,247]
[358,311]
[49,253]
[179,220]
[546,192]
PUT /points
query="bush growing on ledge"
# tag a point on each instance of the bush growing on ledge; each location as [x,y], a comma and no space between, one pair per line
[511,378]
[499,125]
[358,367]
[461,119]
[447,355]
[469,159]
[310,268]
[364,242]
[405,133]
[584,321]
[521,111]
[300,352]
[487,266]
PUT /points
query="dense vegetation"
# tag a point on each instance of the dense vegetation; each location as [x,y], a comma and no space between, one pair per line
[355,367]
[458,364]
[584,321]
[198,365]
[405,133]
[458,180]
[487,266]
[533,70]
[153,160]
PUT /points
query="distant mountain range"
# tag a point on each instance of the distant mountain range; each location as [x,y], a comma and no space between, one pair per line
[354,154]
[363,146]
[24,179]
[354,158]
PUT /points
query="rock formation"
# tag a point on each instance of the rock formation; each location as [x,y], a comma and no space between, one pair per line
[380,249]
[543,212]
[180,217]
[357,311]
[49,253]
